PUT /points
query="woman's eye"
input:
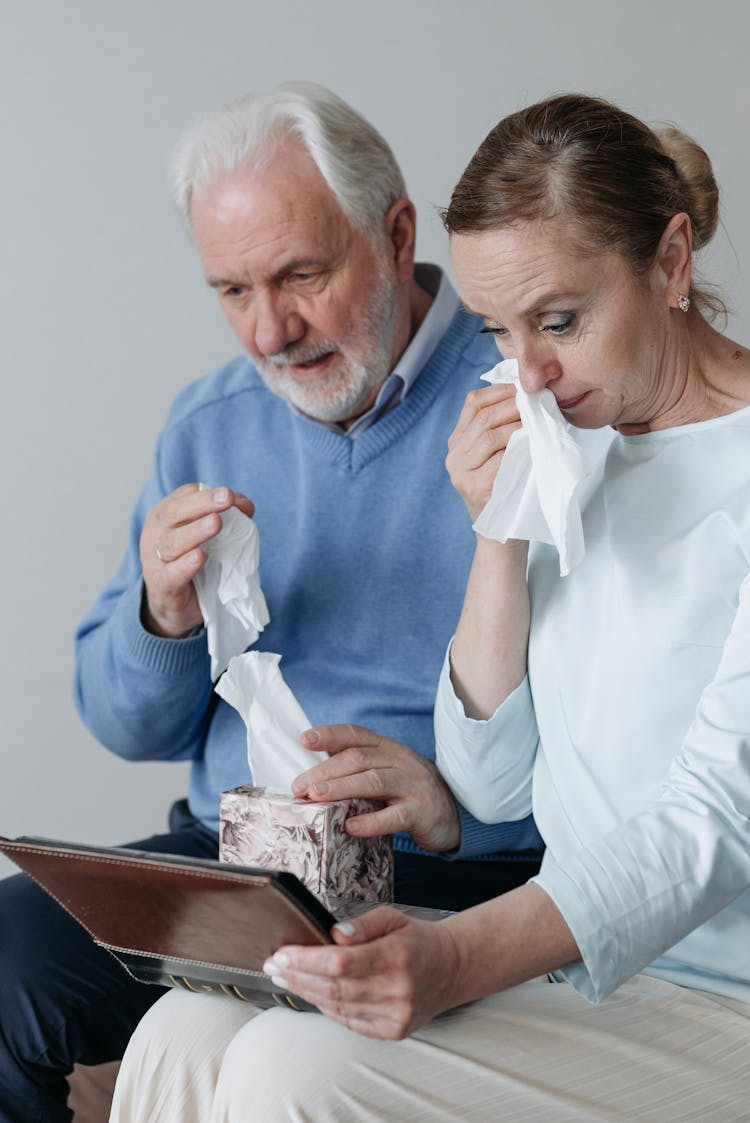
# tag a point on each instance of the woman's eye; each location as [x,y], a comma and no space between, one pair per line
[490,330]
[558,326]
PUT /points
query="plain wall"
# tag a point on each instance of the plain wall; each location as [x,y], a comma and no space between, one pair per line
[105,313]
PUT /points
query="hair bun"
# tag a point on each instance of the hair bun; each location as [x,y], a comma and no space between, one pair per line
[695,171]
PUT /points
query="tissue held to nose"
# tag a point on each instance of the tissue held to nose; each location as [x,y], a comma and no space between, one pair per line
[533,496]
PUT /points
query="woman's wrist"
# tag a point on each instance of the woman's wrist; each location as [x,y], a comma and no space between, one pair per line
[508,941]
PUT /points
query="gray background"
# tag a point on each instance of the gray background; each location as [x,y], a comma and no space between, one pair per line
[105,314]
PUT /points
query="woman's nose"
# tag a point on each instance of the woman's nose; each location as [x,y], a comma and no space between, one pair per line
[538,366]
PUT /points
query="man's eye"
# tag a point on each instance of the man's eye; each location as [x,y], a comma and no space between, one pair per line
[489,329]
[302,277]
[232,290]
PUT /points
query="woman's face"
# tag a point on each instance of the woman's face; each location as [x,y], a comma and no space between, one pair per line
[580,324]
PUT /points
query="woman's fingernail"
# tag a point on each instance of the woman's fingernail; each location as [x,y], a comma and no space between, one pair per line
[276,963]
[345,928]
[280,981]
[311,737]
[300,785]
[320,789]
[220,495]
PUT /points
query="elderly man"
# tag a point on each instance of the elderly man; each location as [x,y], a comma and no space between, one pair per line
[330,430]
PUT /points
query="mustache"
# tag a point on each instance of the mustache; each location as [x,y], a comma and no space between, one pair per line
[304,353]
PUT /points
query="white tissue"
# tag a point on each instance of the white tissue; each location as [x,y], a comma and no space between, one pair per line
[533,497]
[253,684]
[228,589]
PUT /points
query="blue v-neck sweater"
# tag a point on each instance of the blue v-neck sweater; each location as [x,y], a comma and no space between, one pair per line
[365,553]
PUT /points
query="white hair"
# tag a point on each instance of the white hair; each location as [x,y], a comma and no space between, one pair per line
[351,155]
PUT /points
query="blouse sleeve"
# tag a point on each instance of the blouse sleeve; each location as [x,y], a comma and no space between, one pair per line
[634,893]
[487,764]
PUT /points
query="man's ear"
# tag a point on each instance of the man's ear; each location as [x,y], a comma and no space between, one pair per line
[673,260]
[401,232]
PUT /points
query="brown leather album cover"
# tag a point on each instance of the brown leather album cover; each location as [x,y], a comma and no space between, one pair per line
[192,923]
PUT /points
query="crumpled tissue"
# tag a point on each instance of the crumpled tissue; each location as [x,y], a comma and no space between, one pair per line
[228,589]
[262,824]
[533,496]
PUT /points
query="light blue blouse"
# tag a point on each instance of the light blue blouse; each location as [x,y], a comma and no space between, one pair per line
[630,735]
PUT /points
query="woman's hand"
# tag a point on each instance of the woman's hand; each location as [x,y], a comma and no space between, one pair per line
[476,446]
[488,654]
[364,764]
[388,975]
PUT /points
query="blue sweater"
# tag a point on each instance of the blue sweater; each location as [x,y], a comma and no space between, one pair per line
[365,553]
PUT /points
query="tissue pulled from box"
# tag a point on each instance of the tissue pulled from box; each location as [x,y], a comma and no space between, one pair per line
[533,496]
[273,830]
[228,588]
[254,685]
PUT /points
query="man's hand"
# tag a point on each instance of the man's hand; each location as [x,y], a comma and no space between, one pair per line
[477,444]
[171,554]
[364,764]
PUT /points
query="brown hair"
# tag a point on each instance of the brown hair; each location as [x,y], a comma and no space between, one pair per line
[583,158]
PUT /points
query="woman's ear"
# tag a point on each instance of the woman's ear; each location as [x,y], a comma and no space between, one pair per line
[673,260]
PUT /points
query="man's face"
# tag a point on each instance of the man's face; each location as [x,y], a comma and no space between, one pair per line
[312,301]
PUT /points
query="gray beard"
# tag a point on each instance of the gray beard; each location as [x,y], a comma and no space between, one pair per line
[340,394]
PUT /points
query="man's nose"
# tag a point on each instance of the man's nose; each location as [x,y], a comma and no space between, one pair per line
[538,365]
[277,323]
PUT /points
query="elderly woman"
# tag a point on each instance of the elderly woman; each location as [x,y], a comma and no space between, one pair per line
[616,700]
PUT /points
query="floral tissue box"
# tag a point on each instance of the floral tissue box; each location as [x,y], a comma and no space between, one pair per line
[263,827]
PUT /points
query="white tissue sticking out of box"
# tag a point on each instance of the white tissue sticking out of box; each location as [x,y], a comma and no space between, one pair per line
[533,497]
[228,589]
[254,685]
